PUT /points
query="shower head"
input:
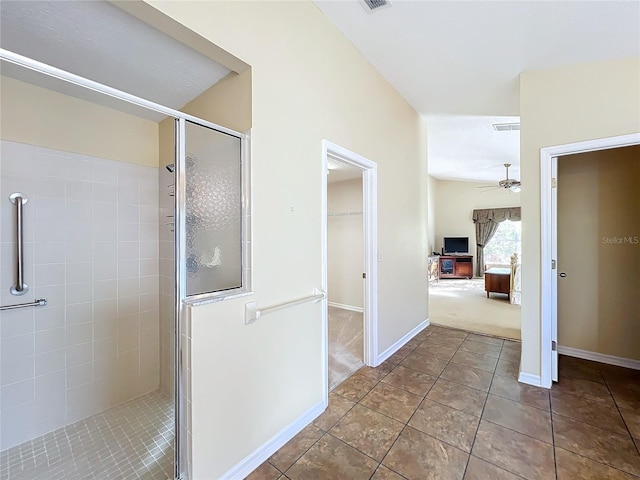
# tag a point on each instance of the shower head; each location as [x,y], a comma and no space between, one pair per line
[171,167]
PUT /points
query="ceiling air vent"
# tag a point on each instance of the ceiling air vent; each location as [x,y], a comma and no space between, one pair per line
[375,5]
[506,127]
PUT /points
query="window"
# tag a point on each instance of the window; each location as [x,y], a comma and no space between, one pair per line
[504,243]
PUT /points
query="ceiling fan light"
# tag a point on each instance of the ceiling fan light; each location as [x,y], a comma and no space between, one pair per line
[515,188]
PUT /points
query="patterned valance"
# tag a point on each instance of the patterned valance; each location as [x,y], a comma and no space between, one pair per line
[496,215]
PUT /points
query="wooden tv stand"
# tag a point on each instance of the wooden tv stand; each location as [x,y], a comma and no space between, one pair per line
[456,266]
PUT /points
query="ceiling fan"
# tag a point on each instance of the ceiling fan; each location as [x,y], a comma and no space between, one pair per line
[508,183]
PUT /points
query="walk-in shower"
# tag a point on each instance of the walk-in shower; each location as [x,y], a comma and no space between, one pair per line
[99,256]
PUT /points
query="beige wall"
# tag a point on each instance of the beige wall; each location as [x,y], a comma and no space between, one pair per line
[560,106]
[308,84]
[345,244]
[598,208]
[37,116]
[431,213]
[227,103]
[454,205]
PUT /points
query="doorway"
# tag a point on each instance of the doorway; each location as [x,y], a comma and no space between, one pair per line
[349,244]
[345,256]
[592,346]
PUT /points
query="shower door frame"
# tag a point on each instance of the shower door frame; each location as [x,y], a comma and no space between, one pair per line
[181,301]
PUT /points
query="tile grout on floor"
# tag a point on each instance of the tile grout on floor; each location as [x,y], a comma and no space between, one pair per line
[459,338]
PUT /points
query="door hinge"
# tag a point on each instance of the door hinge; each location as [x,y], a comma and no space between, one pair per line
[364,275]
[554,346]
[554,183]
[553,264]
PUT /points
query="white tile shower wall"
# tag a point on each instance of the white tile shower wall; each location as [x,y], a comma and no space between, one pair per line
[91,248]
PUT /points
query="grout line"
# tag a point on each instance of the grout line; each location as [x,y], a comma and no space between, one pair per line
[598,426]
[378,382]
[546,410]
[389,468]
[621,416]
[615,405]
[553,433]
[519,433]
[437,377]
[632,475]
[475,436]
[301,455]
[391,448]
[553,437]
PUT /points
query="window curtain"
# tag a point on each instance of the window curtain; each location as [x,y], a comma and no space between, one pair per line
[515,294]
[487,221]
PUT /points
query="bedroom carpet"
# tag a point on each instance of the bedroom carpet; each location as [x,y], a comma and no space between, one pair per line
[464,304]
[346,344]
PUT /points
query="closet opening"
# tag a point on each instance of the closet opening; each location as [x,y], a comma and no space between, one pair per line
[350,259]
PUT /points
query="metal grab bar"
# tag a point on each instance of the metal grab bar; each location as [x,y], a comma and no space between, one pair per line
[38,302]
[252,312]
[19,288]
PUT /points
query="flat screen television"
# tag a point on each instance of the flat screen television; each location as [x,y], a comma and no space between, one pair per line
[455,245]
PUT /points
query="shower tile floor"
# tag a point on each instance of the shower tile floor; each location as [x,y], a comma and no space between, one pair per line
[133,440]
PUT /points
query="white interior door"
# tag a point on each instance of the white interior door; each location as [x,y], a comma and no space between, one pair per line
[549,249]
[554,266]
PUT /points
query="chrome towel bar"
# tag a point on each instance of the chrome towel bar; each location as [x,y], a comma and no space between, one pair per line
[19,288]
[252,312]
[38,302]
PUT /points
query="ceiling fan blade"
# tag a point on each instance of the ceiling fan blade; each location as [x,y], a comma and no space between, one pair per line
[509,184]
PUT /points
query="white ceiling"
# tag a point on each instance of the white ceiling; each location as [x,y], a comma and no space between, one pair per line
[99,41]
[456,62]
[341,171]
[468,148]
[463,59]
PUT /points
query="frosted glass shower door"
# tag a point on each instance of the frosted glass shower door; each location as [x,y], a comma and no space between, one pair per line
[213,211]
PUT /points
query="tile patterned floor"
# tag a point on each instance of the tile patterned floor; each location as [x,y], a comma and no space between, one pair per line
[448,406]
[131,441]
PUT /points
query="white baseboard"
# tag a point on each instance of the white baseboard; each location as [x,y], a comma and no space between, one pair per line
[271,446]
[346,307]
[400,343]
[599,357]
[530,379]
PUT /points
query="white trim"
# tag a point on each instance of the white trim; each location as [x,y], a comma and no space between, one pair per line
[400,343]
[346,307]
[529,379]
[600,357]
[547,225]
[325,282]
[271,446]
[547,222]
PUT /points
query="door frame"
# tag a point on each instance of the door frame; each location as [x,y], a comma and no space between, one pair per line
[370,239]
[549,243]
